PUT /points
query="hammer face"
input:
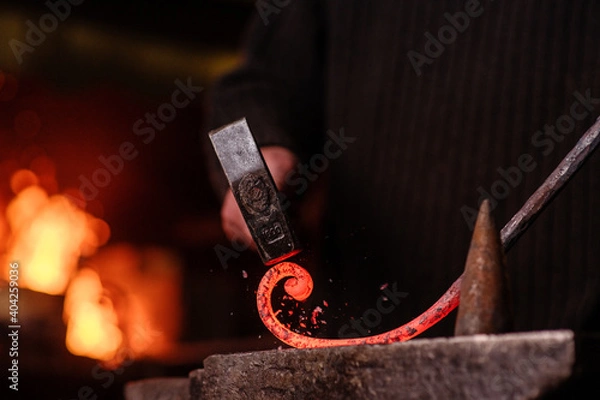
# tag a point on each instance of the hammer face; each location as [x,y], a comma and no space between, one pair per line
[255,192]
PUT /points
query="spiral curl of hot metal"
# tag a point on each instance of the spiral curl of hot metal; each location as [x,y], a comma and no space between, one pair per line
[299,285]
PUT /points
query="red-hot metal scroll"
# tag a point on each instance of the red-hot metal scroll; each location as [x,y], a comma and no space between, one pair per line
[299,284]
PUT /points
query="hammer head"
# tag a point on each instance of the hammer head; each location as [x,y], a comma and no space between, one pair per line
[255,192]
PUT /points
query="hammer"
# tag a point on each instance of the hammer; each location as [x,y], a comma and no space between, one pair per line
[255,192]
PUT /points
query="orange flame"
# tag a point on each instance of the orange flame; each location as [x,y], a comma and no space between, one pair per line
[48,235]
[128,289]
[92,324]
[121,303]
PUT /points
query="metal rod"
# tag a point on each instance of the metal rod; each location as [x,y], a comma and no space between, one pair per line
[451,298]
[551,186]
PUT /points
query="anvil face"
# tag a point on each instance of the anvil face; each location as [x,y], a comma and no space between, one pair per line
[255,192]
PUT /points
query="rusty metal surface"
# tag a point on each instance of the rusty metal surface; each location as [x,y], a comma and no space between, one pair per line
[551,186]
[484,294]
[544,195]
[525,366]
[254,191]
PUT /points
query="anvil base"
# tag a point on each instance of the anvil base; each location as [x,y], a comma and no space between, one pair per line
[525,365]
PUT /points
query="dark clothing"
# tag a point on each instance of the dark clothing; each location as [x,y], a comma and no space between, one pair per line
[433,131]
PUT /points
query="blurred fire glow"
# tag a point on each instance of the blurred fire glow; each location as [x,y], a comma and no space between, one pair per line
[92,329]
[143,284]
[48,234]
[120,302]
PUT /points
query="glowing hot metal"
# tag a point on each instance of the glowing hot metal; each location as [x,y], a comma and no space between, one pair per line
[299,284]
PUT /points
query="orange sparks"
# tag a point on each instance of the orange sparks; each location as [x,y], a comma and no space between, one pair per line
[301,284]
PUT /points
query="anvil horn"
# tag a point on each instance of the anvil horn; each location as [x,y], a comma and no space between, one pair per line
[484,294]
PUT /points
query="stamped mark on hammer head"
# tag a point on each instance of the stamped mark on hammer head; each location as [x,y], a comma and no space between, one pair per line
[255,192]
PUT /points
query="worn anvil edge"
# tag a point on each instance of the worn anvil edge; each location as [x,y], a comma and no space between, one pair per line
[559,335]
[459,366]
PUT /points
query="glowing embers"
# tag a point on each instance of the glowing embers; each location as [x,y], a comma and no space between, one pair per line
[299,286]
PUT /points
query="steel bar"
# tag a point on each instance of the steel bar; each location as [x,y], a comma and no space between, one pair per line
[551,186]
[537,202]
[451,298]
[523,219]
